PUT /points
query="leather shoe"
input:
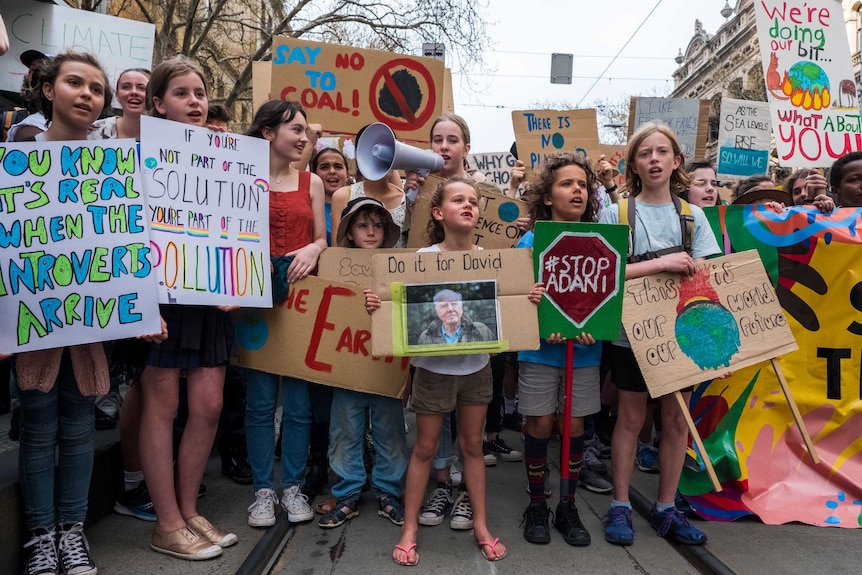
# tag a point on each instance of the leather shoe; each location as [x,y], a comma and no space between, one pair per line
[183,544]
[214,535]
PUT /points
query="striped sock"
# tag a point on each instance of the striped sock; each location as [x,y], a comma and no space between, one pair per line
[536,459]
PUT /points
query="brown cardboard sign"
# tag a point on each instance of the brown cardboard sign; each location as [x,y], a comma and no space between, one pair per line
[351,265]
[345,88]
[321,333]
[495,229]
[687,330]
[542,133]
[512,269]
[688,118]
[261,82]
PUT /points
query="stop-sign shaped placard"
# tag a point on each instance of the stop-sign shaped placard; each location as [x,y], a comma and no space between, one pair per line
[582,267]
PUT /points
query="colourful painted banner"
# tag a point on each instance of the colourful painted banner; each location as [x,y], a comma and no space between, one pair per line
[74,248]
[809,80]
[748,430]
[208,211]
[744,136]
[345,88]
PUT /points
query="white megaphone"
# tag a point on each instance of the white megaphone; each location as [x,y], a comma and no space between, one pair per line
[378,151]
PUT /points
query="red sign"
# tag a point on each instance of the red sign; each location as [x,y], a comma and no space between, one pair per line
[579,271]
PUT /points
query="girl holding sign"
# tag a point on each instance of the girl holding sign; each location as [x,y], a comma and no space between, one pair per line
[564,191]
[58,387]
[199,341]
[653,173]
[297,236]
[442,383]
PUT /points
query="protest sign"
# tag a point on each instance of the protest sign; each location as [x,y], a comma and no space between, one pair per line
[119,43]
[448,97]
[208,208]
[542,133]
[75,264]
[345,88]
[686,117]
[583,267]
[496,227]
[350,265]
[748,430]
[810,82]
[744,137]
[685,330]
[321,333]
[261,83]
[496,166]
[510,270]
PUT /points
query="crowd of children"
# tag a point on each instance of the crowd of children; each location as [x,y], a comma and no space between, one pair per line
[308,211]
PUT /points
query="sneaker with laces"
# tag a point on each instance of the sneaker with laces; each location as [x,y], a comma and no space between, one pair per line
[462,513]
[594,474]
[74,551]
[683,506]
[108,410]
[618,525]
[603,450]
[261,513]
[673,523]
[490,458]
[647,459]
[568,522]
[455,475]
[437,507]
[136,503]
[502,451]
[295,502]
[43,557]
[536,529]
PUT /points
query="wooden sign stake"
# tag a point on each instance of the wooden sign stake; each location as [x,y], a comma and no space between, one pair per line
[716,485]
[797,417]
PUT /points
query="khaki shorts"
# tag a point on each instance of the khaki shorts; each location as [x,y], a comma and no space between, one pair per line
[542,390]
[437,393]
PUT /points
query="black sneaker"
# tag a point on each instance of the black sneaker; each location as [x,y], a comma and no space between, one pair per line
[502,451]
[43,558]
[567,522]
[235,465]
[437,507]
[136,503]
[75,551]
[536,529]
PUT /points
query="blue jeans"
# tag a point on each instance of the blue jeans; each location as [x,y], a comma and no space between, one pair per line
[61,418]
[261,400]
[346,443]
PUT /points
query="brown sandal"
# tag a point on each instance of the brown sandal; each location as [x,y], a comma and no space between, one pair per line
[326,505]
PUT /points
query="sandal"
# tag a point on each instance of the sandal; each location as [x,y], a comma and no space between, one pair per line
[343,511]
[326,505]
[492,545]
[407,550]
[390,508]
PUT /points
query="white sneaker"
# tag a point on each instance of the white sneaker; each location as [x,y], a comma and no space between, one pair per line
[261,513]
[462,513]
[455,475]
[295,502]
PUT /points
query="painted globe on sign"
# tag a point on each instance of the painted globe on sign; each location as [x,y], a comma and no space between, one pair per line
[807,86]
[707,333]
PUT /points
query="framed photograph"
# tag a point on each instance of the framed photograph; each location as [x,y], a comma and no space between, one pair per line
[454,317]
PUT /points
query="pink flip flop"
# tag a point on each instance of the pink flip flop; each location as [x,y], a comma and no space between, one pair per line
[492,545]
[407,551]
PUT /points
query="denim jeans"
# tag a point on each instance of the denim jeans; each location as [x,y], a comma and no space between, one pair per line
[347,440]
[261,400]
[61,418]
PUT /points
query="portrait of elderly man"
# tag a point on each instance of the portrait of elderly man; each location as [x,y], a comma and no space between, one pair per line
[451,325]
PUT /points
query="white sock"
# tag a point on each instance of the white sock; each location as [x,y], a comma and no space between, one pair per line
[132,479]
[510,406]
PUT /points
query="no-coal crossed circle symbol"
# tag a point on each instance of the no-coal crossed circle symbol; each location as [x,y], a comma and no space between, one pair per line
[395,82]
[579,293]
